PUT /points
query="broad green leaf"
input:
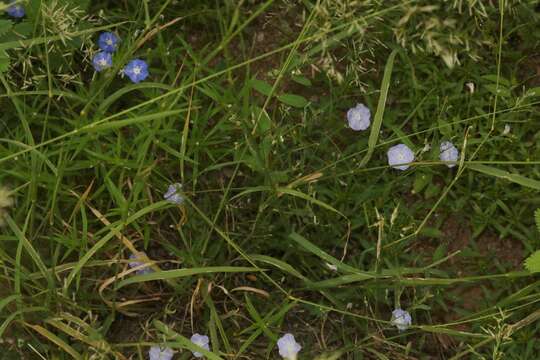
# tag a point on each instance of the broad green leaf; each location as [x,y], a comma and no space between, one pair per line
[302,80]
[293,100]
[261,86]
[532,263]
[494,79]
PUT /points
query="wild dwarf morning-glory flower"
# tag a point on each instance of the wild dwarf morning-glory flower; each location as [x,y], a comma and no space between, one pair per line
[401,319]
[137,260]
[399,156]
[288,347]
[173,194]
[202,341]
[136,70]
[359,117]
[158,353]
[16,11]
[102,60]
[108,42]
[449,153]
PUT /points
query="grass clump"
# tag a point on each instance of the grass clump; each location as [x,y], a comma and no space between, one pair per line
[202,193]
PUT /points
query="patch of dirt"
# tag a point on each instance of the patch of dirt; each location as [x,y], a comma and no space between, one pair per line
[486,250]
[530,71]
[486,254]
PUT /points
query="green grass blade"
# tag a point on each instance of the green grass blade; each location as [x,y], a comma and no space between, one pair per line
[309,246]
[56,340]
[379,114]
[34,255]
[502,174]
[179,273]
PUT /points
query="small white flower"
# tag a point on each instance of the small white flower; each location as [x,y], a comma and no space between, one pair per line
[401,319]
[449,153]
[359,117]
[506,129]
[288,347]
[138,261]
[470,87]
[173,194]
[158,353]
[399,156]
[202,341]
[331,266]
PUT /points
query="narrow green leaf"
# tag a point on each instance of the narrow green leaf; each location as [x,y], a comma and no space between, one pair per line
[280,264]
[306,244]
[308,198]
[126,122]
[379,114]
[7,300]
[178,273]
[36,258]
[56,340]
[515,178]
[109,100]
[113,232]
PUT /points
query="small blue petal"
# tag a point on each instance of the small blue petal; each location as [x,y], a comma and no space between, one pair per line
[359,117]
[16,11]
[173,194]
[399,157]
[108,42]
[136,70]
[102,60]
[159,353]
[136,260]
[449,153]
[202,341]
[401,319]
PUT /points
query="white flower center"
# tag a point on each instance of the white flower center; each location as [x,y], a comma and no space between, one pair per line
[109,41]
[137,70]
[103,62]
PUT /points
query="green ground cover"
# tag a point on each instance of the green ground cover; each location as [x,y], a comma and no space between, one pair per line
[281,218]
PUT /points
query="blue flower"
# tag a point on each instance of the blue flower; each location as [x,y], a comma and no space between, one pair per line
[173,194]
[288,347]
[401,319]
[359,117]
[136,70]
[159,353]
[399,156]
[449,153]
[108,42]
[102,60]
[16,11]
[137,261]
[201,341]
